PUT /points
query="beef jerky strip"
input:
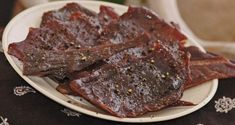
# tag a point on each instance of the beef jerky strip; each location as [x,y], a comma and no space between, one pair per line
[134,22]
[132,88]
[43,63]
[206,66]
[64,14]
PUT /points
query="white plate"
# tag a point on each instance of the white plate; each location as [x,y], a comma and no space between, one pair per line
[17,30]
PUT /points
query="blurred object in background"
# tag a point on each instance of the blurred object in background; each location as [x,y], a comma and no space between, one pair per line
[212,20]
[18,7]
[135,2]
[209,22]
[30,3]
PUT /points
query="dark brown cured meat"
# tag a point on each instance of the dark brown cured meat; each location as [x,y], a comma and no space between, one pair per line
[118,102]
[137,20]
[107,15]
[135,87]
[84,24]
[68,27]
[72,27]
[64,14]
[72,11]
[46,38]
[64,29]
[182,103]
[208,66]
[55,36]
[118,29]
[131,24]
[42,63]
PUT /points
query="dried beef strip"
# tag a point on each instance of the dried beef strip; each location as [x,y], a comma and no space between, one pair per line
[72,11]
[64,14]
[135,21]
[107,15]
[132,88]
[131,23]
[42,63]
[42,38]
[207,66]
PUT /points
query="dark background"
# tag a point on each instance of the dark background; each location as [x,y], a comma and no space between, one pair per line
[5,11]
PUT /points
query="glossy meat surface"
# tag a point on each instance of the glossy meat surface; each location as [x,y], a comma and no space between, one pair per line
[71,27]
[43,63]
[135,87]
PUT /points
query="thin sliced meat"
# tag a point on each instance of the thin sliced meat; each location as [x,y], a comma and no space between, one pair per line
[121,28]
[129,25]
[65,89]
[207,66]
[37,62]
[182,103]
[64,14]
[43,38]
[74,11]
[107,15]
[72,27]
[132,88]
[56,36]
[137,20]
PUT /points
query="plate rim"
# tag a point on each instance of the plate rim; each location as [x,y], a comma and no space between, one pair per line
[80,109]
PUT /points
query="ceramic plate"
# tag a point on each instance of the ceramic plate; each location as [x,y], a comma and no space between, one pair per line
[17,30]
